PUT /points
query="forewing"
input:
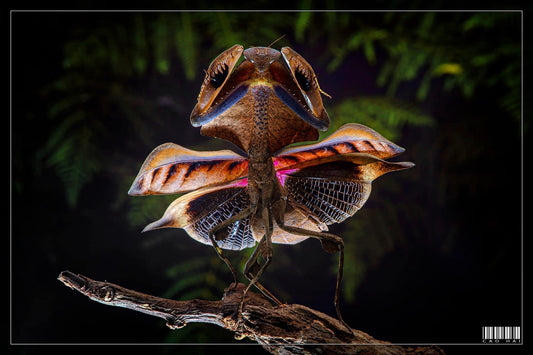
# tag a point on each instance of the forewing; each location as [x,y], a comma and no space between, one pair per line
[171,168]
[199,211]
[350,138]
[337,188]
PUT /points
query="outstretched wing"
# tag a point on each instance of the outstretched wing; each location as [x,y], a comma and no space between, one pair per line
[199,211]
[171,168]
[336,189]
[333,177]
[350,138]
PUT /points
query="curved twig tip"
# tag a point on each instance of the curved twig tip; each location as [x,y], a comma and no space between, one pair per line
[72,280]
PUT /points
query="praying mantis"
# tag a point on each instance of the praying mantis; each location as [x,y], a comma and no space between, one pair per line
[277,193]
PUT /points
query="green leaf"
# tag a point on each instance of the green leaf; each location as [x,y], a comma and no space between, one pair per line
[424,29]
[385,73]
[448,68]
[354,42]
[424,87]
[140,45]
[483,20]
[302,22]
[72,153]
[370,54]
[186,45]
[161,50]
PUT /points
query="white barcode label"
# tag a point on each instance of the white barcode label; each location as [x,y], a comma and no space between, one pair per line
[501,334]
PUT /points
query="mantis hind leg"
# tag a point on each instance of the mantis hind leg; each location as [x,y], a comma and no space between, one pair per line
[331,243]
[253,271]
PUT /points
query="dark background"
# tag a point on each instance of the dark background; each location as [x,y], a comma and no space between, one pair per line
[433,256]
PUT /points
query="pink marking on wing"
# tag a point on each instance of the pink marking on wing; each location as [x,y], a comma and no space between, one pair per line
[276,163]
[282,175]
[283,162]
[242,182]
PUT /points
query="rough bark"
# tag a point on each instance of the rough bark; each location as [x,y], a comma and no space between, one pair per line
[285,329]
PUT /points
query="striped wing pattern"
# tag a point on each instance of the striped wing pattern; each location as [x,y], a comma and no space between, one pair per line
[350,138]
[326,183]
[171,168]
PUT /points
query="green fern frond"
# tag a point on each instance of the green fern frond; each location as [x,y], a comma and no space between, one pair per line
[160,37]
[186,44]
[72,152]
[139,45]
[302,22]
[202,275]
[366,38]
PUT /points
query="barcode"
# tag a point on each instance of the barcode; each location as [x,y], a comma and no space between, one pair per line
[501,334]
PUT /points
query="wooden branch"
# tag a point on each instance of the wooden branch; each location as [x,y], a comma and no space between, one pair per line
[285,329]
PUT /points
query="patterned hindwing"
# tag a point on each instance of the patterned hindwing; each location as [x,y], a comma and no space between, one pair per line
[217,207]
[337,186]
[200,211]
[332,200]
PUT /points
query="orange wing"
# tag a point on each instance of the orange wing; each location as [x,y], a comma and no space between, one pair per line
[333,178]
[171,168]
[326,183]
[350,138]
[335,187]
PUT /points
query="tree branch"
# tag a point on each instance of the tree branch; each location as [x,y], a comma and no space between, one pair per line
[285,329]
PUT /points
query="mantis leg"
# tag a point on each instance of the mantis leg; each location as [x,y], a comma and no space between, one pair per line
[253,271]
[264,247]
[243,214]
[331,243]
